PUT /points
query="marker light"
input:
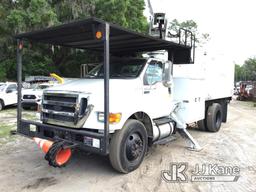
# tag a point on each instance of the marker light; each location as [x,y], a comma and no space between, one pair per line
[98,34]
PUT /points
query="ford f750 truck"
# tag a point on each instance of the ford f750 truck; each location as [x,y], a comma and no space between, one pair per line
[124,104]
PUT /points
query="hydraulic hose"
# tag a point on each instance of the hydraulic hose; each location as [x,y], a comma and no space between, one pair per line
[57,155]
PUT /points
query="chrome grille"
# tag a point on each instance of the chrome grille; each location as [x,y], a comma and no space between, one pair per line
[63,109]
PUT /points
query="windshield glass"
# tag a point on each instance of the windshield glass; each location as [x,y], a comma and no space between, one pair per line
[38,86]
[33,86]
[43,86]
[121,68]
[2,86]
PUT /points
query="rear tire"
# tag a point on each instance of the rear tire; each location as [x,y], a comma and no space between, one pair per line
[202,125]
[128,146]
[214,117]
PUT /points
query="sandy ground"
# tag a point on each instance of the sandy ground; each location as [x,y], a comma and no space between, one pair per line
[23,168]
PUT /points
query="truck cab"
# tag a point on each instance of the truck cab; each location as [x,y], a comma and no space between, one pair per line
[8,94]
[136,87]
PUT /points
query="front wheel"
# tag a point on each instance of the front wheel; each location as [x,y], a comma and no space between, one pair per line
[128,146]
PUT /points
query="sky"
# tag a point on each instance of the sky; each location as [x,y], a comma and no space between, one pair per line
[230,23]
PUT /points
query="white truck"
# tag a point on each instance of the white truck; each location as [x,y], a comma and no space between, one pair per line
[32,97]
[126,104]
[8,94]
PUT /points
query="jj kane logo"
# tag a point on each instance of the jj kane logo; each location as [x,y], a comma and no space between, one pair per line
[201,173]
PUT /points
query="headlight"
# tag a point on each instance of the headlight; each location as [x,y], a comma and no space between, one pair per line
[113,117]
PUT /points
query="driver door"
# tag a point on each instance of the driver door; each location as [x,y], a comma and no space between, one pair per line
[156,95]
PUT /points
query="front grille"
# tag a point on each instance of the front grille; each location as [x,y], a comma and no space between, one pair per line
[72,99]
[63,109]
[59,108]
[59,117]
[29,96]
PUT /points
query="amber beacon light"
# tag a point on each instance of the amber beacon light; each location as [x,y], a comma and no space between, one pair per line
[98,34]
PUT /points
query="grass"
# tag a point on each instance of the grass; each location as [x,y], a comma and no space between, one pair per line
[29,116]
[5,129]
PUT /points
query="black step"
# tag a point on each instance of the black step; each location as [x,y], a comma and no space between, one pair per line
[165,140]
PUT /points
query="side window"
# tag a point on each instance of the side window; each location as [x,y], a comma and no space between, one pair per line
[11,88]
[154,73]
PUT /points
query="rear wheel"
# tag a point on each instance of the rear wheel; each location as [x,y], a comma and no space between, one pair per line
[214,117]
[202,125]
[128,146]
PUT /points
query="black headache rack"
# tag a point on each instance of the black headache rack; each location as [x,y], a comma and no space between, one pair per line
[96,35]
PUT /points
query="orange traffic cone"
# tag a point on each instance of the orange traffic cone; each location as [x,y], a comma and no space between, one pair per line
[62,156]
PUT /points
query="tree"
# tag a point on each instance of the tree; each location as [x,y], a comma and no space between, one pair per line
[201,38]
[238,73]
[127,13]
[246,72]
[26,15]
[250,68]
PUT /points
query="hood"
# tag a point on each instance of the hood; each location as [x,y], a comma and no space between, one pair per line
[92,86]
[32,92]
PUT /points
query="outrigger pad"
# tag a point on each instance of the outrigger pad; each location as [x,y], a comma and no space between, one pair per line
[193,145]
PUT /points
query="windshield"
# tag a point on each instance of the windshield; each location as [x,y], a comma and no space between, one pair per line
[37,86]
[43,86]
[121,68]
[2,86]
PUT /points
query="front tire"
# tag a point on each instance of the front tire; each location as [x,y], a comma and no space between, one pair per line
[128,146]
[214,117]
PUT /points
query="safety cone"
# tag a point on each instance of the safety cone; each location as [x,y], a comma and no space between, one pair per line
[62,156]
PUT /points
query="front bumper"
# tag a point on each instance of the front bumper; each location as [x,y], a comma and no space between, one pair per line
[29,103]
[35,129]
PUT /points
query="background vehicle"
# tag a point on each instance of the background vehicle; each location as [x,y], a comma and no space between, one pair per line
[32,97]
[127,104]
[8,94]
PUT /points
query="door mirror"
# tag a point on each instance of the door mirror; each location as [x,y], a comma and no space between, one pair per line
[167,74]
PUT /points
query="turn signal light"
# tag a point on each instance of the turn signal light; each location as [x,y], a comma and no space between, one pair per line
[113,117]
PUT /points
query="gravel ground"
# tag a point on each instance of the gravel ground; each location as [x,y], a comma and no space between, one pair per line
[23,167]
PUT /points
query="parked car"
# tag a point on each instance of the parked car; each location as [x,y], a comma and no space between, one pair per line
[8,94]
[32,97]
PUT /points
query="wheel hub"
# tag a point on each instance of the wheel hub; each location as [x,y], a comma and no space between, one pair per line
[134,147]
